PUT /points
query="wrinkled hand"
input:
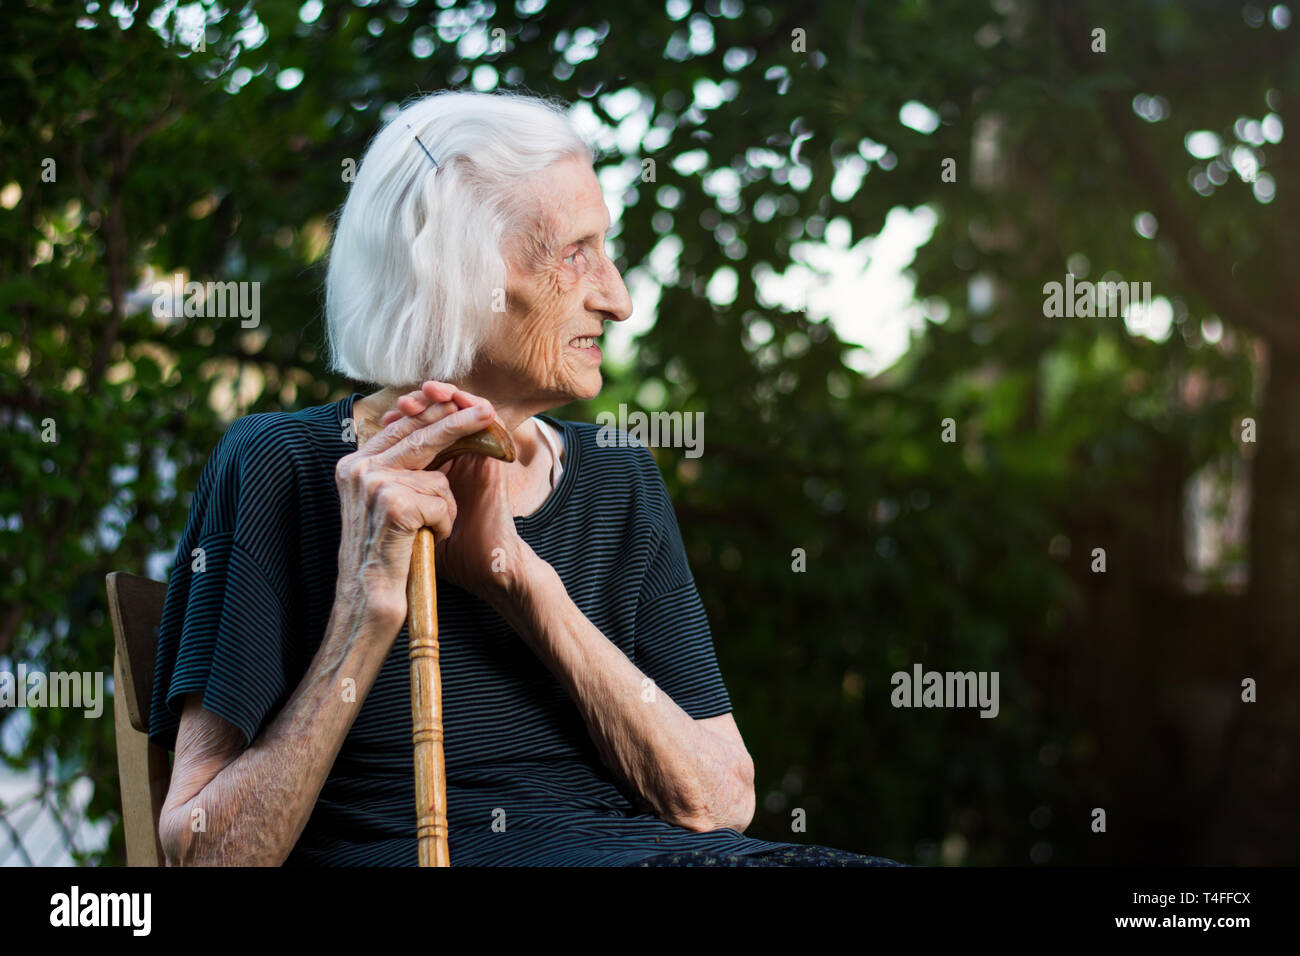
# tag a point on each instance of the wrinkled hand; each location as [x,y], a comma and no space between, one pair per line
[483,552]
[386,496]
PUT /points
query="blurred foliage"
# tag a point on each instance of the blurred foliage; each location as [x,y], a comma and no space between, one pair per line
[222,158]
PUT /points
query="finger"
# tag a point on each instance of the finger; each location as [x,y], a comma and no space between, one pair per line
[417,402]
[434,498]
[412,500]
[462,398]
[399,428]
[408,405]
[425,482]
[414,403]
[420,445]
[436,393]
[466,400]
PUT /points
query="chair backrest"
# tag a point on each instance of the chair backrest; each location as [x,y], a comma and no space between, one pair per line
[135,605]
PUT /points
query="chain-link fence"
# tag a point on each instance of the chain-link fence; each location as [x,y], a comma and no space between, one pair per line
[43,818]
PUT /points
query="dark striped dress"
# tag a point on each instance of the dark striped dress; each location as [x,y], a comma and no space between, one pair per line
[250,595]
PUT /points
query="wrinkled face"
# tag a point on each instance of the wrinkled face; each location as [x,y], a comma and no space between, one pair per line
[562,288]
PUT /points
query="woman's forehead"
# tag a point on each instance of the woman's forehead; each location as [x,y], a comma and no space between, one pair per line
[571,195]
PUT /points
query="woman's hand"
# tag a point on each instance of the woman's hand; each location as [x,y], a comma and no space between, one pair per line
[386,496]
[483,552]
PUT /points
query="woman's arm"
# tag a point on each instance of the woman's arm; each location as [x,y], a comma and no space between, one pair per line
[227,805]
[255,802]
[690,772]
[686,772]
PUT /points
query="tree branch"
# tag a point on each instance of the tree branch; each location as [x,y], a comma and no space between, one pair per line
[1203,269]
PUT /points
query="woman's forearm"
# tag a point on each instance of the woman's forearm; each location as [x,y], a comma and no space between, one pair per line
[255,808]
[686,774]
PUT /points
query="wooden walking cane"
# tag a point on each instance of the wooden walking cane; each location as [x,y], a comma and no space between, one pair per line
[426,676]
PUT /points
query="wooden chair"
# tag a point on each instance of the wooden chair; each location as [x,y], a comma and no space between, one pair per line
[135,605]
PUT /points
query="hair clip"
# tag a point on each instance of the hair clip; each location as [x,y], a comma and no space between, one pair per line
[426,151]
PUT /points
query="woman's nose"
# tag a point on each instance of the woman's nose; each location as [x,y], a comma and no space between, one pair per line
[610,295]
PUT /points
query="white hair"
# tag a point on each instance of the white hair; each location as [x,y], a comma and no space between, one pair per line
[417,261]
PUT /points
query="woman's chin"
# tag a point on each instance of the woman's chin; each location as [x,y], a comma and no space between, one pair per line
[582,388]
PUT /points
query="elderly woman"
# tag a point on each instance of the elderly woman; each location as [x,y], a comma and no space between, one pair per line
[586,720]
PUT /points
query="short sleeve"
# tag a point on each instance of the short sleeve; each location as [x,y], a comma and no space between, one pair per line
[674,645]
[226,630]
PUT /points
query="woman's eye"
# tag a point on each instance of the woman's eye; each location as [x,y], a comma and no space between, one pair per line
[571,256]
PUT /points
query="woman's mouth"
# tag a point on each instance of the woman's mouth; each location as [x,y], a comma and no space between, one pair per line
[587,345]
